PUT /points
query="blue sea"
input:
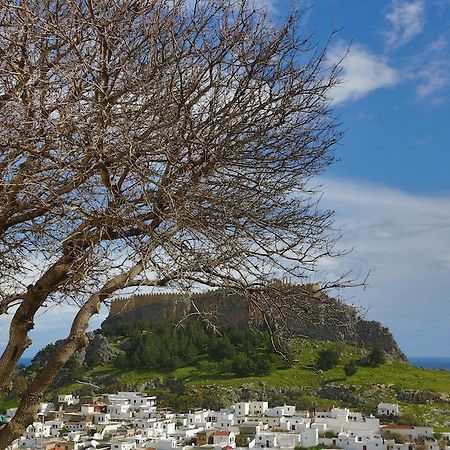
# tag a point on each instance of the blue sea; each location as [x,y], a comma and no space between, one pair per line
[25,361]
[431,363]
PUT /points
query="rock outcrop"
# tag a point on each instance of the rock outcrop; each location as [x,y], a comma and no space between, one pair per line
[324,318]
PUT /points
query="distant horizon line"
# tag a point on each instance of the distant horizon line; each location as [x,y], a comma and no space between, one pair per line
[408,356]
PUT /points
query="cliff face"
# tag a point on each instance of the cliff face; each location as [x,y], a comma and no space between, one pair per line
[337,322]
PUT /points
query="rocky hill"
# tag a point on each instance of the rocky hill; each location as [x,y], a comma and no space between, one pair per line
[336,322]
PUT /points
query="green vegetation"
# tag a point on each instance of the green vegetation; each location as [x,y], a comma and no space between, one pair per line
[204,375]
[242,352]
[317,447]
[376,357]
[328,358]
[350,368]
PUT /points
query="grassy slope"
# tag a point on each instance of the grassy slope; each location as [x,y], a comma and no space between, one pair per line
[397,373]
[394,374]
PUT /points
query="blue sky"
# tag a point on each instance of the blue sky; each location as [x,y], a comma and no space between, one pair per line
[390,189]
[394,101]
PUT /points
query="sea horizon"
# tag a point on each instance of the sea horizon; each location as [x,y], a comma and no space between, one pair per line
[430,362]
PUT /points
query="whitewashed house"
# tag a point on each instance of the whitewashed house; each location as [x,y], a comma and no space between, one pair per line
[288,440]
[299,423]
[223,420]
[68,399]
[411,432]
[388,409]
[241,409]
[101,418]
[10,412]
[197,418]
[257,408]
[342,420]
[164,444]
[266,439]
[119,411]
[55,426]
[123,444]
[224,438]
[309,437]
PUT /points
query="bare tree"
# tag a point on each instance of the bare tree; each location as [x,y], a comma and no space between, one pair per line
[153,143]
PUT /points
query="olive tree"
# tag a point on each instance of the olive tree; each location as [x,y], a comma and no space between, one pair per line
[154,143]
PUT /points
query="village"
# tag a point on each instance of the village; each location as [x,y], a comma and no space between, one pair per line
[132,420]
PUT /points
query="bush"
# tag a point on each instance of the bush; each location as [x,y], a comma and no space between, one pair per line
[376,357]
[243,366]
[350,368]
[328,359]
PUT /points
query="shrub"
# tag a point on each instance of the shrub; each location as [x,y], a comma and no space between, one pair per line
[350,368]
[376,357]
[328,359]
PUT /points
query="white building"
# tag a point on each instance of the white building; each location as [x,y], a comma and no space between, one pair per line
[55,427]
[266,439]
[388,409]
[68,399]
[224,438]
[196,418]
[342,420]
[309,437]
[288,440]
[257,408]
[164,444]
[119,411]
[242,409]
[10,412]
[101,418]
[410,432]
[123,444]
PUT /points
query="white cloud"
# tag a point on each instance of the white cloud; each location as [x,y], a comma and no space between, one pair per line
[429,69]
[51,323]
[406,19]
[361,72]
[405,239]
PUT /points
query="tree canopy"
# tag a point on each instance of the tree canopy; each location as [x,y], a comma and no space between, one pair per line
[154,143]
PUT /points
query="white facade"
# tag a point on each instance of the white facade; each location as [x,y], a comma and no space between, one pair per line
[164,444]
[87,409]
[288,440]
[257,408]
[242,409]
[119,411]
[197,417]
[266,439]
[101,418]
[223,438]
[309,437]
[68,399]
[388,409]
[411,432]
[123,444]
[342,420]
[54,426]
[10,412]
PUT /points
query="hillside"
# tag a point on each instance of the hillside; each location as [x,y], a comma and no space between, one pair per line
[423,394]
[188,367]
[207,380]
[336,322]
